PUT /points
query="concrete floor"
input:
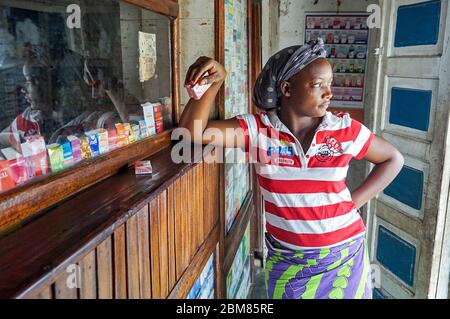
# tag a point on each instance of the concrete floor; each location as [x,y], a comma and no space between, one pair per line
[258,289]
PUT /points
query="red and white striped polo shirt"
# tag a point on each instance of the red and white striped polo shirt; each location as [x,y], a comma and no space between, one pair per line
[306,199]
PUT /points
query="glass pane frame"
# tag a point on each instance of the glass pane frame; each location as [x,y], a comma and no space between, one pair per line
[24,200]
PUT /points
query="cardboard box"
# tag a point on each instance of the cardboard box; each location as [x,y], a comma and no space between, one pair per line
[103,140]
[75,144]
[93,143]
[56,156]
[149,117]
[143,168]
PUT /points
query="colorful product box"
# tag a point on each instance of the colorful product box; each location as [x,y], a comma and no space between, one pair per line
[167,112]
[143,168]
[67,154]
[143,129]
[122,137]
[18,170]
[85,148]
[39,153]
[93,143]
[56,156]
[149,118]
[136,132]
[103,140]
[159,124]
[75,144]
[129,132]
[27,152]
[13,168]
[6,178]
[112,139]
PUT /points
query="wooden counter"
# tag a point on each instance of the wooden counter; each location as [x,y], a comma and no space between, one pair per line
[125,237]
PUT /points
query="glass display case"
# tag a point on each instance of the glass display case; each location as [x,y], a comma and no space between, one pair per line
[72,92]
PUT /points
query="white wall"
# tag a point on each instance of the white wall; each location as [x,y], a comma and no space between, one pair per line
[269,28]
[196,36]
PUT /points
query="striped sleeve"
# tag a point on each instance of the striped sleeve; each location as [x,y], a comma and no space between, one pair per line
[250,128]
[362,139]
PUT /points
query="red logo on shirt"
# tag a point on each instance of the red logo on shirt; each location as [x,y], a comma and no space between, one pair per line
[327,151]
[333,144]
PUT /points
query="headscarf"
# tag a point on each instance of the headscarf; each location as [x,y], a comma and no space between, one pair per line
[281,67]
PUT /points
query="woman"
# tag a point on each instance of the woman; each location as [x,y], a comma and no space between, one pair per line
[315,235]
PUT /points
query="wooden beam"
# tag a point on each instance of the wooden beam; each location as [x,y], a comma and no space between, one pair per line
[234,237]
[166,7]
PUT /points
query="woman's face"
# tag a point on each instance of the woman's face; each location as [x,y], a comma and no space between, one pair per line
[36,90]
[309,91]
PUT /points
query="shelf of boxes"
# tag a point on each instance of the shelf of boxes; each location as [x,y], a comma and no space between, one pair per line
[346,42]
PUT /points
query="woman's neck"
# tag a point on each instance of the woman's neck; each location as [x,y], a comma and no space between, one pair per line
[299,125]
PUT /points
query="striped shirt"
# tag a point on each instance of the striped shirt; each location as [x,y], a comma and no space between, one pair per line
[25,124]
[306,200]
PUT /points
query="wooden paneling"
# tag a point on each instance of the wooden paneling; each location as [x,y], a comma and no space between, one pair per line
[45,293]
[192,212]
[133,258]
[164,263]
[120,263]
[179,240]
[63,286]
[171,237]
[144,253]
[88,270]
[187,223]
[154,244]
[104,270]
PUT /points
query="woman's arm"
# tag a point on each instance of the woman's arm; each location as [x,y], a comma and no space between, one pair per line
[196,113]
[388,163]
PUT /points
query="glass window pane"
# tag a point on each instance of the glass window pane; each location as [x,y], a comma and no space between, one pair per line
[237,172]
[78,79]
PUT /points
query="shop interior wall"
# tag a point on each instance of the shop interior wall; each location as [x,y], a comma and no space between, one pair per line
[196,37]
[132,20]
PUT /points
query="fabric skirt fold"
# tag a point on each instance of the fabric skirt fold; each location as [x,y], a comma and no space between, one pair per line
[340,272]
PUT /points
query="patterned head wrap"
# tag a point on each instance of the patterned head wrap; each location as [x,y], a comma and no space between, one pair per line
[281,67]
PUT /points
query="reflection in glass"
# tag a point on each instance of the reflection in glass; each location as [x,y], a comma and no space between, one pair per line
[69,94]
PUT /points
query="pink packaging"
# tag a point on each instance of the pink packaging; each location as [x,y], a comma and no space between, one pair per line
[112,139]
[197,91]
[6,179]
[18,170]
[143,168]
[76,148]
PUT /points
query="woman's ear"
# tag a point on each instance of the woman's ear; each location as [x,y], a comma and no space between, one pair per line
[285,88]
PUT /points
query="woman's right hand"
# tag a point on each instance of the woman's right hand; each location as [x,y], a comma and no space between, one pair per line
[194,75]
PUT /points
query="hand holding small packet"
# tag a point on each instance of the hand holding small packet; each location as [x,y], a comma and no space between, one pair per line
[196,91]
